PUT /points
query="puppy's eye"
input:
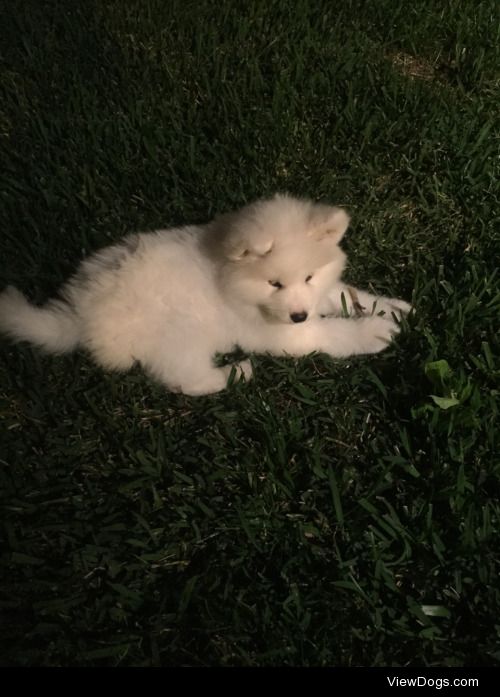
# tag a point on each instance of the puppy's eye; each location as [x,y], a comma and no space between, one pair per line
[276,284]
[308,278]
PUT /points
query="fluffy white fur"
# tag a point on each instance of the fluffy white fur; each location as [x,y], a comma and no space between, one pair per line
[266,279]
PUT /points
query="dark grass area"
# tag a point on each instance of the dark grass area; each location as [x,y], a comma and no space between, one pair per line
[330,512]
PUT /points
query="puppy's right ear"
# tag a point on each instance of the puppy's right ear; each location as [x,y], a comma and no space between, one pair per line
[328,222]
[241,240]
[240,250]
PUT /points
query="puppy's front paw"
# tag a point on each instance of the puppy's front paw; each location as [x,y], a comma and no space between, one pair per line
[245,370]
[377,333]
[400,306]
[242,371]
[390,305]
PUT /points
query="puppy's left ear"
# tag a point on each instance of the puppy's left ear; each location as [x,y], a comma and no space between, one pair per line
[328,222]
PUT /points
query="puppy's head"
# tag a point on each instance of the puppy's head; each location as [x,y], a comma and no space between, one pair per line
[280,256]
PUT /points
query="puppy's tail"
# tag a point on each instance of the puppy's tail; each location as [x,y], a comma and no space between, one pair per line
[53,327]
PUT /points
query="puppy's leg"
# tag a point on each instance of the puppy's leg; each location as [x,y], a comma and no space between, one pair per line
[213,379]
[199,377]
[337,337]
[360,302]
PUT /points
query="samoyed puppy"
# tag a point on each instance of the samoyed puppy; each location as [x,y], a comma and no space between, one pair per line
[266,279]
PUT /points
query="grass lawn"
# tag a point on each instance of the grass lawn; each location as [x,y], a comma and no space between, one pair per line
[329,512]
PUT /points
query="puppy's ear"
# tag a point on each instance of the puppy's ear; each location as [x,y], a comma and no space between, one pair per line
[328,222]
[241,238]
[245,250]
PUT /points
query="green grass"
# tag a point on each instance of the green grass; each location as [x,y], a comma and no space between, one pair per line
[330,512]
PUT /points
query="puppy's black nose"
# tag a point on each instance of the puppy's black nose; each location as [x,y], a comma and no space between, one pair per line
[298,317]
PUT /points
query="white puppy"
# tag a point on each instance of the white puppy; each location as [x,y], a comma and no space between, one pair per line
[265,279]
